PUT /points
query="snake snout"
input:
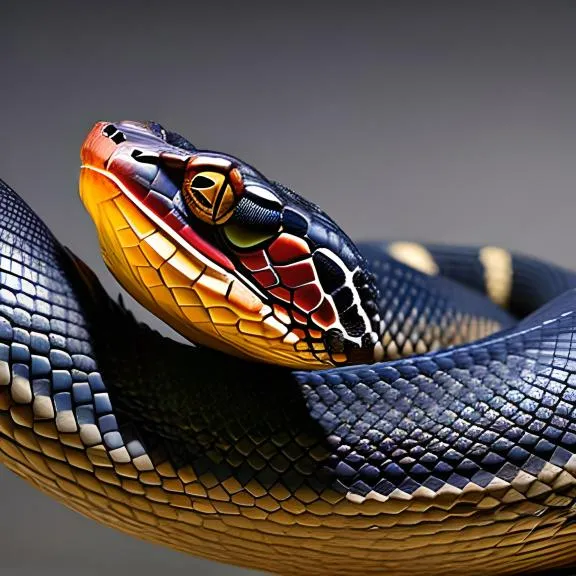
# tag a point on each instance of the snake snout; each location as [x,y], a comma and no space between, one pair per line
[100,144]
[105,137]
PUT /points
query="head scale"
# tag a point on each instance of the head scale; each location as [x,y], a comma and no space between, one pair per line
[227,257]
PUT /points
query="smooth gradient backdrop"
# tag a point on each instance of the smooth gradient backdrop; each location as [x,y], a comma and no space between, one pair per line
[447,121]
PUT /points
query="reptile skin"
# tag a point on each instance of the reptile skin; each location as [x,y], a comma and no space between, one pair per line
[454,462]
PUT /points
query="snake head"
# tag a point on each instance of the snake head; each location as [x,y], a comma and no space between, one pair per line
[227,257]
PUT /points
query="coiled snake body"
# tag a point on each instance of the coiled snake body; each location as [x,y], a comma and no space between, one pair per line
[415,461]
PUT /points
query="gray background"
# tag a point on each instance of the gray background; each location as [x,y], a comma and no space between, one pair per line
[447,121]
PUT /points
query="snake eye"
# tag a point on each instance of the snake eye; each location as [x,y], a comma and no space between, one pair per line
[205,190]
[201,182]
[211,189]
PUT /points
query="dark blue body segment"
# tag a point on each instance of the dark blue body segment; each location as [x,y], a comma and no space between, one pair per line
[479,412]
[397,280]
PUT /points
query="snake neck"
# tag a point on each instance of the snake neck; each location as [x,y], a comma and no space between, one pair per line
[186,400]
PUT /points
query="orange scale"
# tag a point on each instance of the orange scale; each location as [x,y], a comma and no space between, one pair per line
[287,248]
[325,315]
[300,333]
[282,314]
[236,181]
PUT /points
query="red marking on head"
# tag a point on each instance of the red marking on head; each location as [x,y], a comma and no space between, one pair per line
[287,248]
[205,248]
[308,297]
[281,293]
[325,315]
[266,278]
[294,275]
[173,221]
[254,261]
[117,168]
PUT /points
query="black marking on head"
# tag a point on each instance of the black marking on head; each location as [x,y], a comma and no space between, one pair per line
[343,298]
[145,158]
[334,341]
[118,138]
[294,222]
[331,276]
[109,130]
[353,322]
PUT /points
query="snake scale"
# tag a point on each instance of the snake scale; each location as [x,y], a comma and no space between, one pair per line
[439,438]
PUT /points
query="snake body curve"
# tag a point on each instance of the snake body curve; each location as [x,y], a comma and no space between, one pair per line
[458,462]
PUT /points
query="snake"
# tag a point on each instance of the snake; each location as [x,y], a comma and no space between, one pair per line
[334,408]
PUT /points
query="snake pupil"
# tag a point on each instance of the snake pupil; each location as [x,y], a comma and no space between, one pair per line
[202,182]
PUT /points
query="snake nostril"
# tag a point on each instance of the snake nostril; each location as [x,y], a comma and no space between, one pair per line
[118,138]
[109,130]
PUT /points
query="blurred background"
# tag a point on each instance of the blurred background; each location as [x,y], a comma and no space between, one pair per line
[443,121]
